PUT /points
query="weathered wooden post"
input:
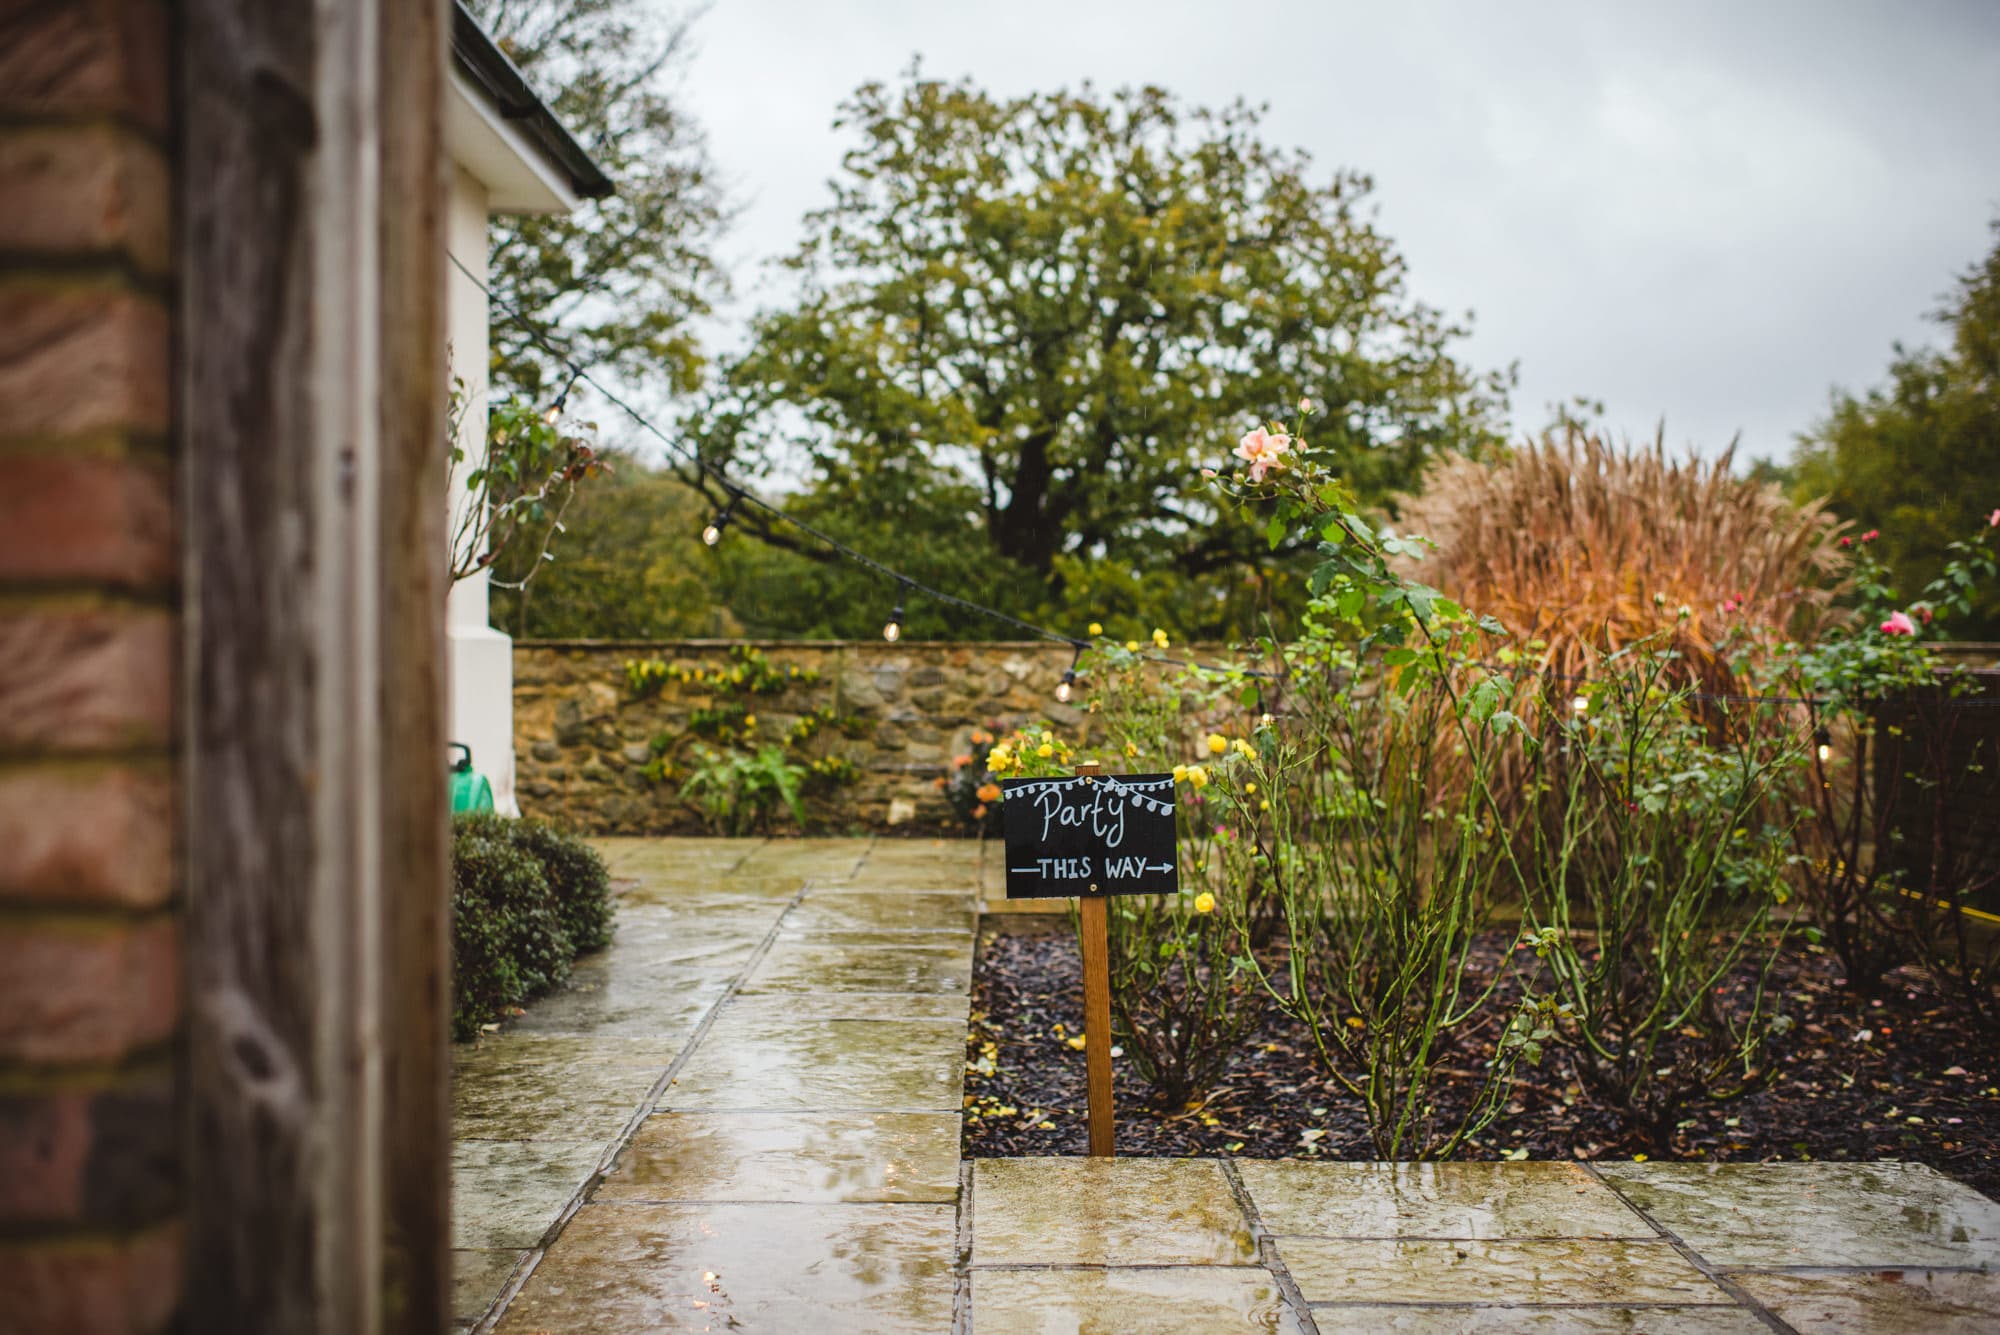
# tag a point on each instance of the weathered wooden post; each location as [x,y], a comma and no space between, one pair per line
[1097,1005]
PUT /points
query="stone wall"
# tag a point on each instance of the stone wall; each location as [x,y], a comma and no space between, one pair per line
[582,738]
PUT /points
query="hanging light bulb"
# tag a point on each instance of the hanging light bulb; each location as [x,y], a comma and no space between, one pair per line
[713,533]
[554,412]
[1581,704]
[1825,740]
[893,630]
[1067,686]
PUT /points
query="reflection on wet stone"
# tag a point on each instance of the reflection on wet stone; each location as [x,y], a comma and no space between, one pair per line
[827,1269]
[1819,1214]
[1107,1212]
[1204,1300]
[789,1157]
[1437,1200]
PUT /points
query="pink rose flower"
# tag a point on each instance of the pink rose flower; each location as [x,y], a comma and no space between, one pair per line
[1899,624]
[1871,535]
[1263,451]
[1993,520]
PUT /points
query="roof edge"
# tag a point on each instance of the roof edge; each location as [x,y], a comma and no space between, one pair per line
[488,67]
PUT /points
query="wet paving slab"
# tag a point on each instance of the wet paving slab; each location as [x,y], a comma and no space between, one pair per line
[1960,1302]
[1209,1300]
[827,1269]
[865,962]
[1441,1200]
[1364,1320]
[1107,1212]
[882,911]
[1518,1271]
[533,1086]
[789,1157]
[1819,1214]
[506,1194]
[770,1061]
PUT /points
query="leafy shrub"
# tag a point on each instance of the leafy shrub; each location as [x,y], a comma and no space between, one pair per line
[1385,864]
[738,793]
[525,900]
[1897,836]
[577,878]
[1659,856]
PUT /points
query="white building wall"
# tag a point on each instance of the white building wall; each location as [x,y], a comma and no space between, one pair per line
[481,658]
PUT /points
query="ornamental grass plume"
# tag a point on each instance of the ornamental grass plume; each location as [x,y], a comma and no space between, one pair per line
[1581,548]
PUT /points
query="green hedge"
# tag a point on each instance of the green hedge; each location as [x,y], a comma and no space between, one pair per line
[526,899]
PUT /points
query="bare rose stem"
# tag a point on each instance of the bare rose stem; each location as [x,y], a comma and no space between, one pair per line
[1097,1004]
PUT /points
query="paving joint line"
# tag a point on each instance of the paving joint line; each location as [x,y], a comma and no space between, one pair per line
[1267,1248]
[1694,1258]
[961,1298]
[525,1270]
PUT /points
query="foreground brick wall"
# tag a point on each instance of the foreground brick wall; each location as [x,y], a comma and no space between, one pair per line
[581,738]
[89,943]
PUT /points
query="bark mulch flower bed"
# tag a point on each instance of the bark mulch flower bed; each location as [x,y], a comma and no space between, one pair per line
[1889,1076]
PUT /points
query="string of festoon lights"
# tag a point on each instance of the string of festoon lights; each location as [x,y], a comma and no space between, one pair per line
[906,586]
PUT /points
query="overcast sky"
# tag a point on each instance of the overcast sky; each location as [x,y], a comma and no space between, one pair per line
[1710,213]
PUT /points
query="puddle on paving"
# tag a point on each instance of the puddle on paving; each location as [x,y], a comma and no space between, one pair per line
[1106,1212]
[827,1269]
[789,1157]
[1443,1200]
[1818,1214]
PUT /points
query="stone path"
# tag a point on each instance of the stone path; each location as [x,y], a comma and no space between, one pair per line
[744,1116]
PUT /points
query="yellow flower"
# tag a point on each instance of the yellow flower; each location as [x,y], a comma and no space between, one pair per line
[1263,805]
[1217,743]
[1131,748]
[1180,773]
[1131,646]
[1198,776]
[1045,750]
[749,720]
[1204,902]
[1096,629]
[1249,787]
[1159,637]
[1244,748]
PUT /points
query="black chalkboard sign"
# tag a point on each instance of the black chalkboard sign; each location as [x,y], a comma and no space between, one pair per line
[1108,834]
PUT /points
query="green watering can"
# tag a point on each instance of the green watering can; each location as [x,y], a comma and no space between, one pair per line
[469,789]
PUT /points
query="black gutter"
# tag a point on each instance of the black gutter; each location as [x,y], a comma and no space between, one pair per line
[475,53]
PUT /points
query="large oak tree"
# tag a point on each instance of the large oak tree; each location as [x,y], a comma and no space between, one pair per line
[1022,326]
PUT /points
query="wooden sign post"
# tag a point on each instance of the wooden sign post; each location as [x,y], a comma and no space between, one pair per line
[1091,837]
